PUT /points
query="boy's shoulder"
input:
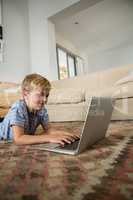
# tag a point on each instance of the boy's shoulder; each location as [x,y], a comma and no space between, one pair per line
[20,104]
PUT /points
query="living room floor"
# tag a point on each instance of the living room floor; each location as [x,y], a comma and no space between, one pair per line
[103,172]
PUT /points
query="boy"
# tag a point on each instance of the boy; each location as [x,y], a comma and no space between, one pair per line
[25,115]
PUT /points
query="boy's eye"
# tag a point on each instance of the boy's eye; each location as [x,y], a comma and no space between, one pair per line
[42,95]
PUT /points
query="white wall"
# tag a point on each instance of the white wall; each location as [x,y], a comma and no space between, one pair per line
[104,33]
[110,58]
[26,38]
[52,51]
[70,47]
[0,12]
[42,56]
[66,43]
[29,41]
[1,42]
[16,62]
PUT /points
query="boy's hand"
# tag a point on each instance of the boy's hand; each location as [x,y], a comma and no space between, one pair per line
[62,137]
[65,133]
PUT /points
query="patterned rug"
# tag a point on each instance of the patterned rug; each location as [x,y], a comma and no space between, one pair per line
[103,172]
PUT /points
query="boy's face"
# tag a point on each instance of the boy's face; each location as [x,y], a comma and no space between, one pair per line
[36,99]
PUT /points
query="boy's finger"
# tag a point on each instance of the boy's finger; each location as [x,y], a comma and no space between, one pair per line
[73,135]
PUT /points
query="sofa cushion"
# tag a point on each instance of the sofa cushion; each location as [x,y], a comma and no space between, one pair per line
[67,95]
[6,85]
[119,91]
[67,112]
[89,94]
[125,79]
[123,91]
[9,95]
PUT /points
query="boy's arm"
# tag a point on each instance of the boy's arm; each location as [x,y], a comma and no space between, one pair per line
[49,130]
[22,138]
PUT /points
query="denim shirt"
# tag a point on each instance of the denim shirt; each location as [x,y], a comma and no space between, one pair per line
[20,116]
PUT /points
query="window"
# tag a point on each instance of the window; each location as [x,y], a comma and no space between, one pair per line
[66,63]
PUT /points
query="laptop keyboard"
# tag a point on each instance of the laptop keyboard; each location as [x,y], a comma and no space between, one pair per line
[72,146]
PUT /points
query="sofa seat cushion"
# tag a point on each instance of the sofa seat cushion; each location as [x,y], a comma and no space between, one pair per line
[67,112]
[66,96]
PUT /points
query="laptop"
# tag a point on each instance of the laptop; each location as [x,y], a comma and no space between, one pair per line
[94,128]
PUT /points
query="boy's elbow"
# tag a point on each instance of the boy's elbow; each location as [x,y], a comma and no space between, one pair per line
[18,140]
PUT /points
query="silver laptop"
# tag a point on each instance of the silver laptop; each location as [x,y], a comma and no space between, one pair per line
[94,129]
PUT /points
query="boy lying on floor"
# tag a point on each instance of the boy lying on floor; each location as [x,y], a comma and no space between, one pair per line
[27,114]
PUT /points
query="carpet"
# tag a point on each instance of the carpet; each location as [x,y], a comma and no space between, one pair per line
[103,172]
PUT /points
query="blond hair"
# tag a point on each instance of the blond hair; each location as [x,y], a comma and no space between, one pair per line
[34,81]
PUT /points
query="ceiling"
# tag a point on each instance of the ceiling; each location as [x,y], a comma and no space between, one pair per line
[96,25]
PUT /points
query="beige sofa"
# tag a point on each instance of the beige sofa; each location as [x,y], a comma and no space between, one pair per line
[69,98]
